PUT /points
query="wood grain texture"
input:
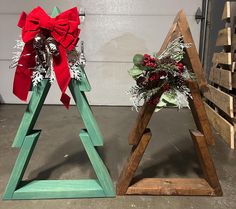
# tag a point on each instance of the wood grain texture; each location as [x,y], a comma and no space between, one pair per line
[199,113]
[52,189]
[132,164]
[171,186]
[206,162]
[144,116]
[226,12]
[86,113]
[222,58]
[234,80]
[222,77]
[98,165]
[31,114]
[221,100]
[21,164]
[224,37]
[180,27]
[221,125]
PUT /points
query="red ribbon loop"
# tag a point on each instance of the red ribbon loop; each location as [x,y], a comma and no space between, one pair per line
[64,29]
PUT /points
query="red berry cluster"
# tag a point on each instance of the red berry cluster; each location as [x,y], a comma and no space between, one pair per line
[180,67]
[149,61]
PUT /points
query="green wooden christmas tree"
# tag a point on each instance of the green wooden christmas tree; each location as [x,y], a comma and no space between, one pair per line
[26,139]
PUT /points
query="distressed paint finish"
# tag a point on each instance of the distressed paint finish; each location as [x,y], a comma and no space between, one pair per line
[26,139]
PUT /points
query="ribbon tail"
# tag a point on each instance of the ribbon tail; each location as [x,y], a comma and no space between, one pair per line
[62,74]
[22,79]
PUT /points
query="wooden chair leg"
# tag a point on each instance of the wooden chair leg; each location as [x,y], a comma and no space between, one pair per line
[132,163]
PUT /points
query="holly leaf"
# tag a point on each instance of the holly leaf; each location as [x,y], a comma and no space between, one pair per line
[135,71]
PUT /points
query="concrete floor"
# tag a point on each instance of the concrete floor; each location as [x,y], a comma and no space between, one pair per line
[59,155]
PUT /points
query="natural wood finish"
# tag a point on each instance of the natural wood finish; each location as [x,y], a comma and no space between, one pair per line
[226,12]
[132,163]
[222,126]
[171,186]
[140,139]
[224,37]
[221,100]
[206,162]
[181,27]
[141,123]
[199,113]
[234,80]
[222,58]
[221,77]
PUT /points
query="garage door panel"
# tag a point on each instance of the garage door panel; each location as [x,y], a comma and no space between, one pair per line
[108,38]
[109,81]
[126,7]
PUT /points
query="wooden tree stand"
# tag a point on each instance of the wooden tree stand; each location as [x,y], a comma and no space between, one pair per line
[26,139]
[140,136]
[221,106]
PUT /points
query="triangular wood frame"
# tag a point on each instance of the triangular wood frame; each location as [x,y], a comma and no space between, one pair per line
[140,135]
[26,139]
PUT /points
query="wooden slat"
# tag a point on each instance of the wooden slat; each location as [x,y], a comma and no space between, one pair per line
[234,80]
[220,99]
[132,164]
[222,126]
[221,77]
[199,113]
[224,37]
[205,160]
[171,186]
[226,12]
[222,58]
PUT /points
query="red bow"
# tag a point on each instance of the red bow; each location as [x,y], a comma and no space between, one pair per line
[64,29]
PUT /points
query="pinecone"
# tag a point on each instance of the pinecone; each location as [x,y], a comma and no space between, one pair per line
[167,60]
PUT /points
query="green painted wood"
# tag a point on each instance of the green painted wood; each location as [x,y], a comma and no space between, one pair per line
[26,139]
[47,189]
[55,11]
[84,84]
[98,165]
[21,163]
[86,114]
[31,114]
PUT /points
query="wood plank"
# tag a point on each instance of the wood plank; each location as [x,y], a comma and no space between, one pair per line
[31,114]
[86,113]
[144,116]
[98,165]
[21,164]
[132,164]
[226,11]
[224,37]
[222,58]
[221,77]
[234,80]
[206,162]
[222,126]
[199,113]
[171,186]
[48,189]
[221,100]
[181,27]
